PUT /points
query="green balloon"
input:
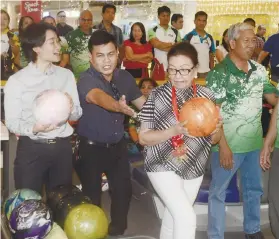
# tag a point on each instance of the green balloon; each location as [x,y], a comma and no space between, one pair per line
[56,233]
[86,221]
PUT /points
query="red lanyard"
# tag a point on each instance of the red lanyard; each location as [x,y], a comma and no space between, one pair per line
[178,139]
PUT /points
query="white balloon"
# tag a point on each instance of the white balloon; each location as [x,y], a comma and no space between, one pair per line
[51,107]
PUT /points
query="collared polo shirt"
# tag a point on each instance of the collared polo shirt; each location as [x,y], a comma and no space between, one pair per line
[97,123]
[63,30]
[204,46]
[272,46]
[240,95]
[115,31]
[169,35]
[21,90]
[77,48]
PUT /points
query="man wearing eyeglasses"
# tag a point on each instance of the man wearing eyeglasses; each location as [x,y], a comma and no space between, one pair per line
[76,51]
[105,92]
[62,27]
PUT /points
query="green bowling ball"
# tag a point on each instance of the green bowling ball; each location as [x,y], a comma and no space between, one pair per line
[56,233]
[17,197]
[86,221]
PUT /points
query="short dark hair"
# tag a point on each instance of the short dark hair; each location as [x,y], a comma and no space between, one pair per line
[249,19]
[34,36]
[7,14]
[46,17]
[20,25]
[200,13]
[60,12]
[153,82]
[225,45]
[106,6]
[163,9]
[175,17]
[142,28]
[100,37]
[260,27]
[184,49]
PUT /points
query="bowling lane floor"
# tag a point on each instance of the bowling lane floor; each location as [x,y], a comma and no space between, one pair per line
[142,221]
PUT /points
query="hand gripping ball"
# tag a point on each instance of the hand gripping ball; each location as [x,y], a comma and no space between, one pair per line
[201,115]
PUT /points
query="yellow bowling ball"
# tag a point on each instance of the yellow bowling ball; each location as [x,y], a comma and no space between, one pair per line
[86,221]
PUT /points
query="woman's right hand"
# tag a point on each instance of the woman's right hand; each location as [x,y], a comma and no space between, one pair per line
[179,128]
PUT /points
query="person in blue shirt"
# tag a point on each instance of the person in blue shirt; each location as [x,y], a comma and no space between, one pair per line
[271,47]
[204,44]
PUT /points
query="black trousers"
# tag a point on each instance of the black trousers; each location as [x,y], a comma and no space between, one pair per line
[265,119]
[40,163]
[113,161]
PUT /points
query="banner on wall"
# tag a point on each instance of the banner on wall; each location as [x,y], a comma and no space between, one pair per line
[32,9]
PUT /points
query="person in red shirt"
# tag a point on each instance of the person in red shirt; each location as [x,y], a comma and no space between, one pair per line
[138,52]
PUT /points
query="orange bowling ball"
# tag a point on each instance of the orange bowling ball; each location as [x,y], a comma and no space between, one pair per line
[201,115]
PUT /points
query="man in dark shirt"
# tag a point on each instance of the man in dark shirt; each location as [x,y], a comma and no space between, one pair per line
[108,14]
[62,27]
[103,91]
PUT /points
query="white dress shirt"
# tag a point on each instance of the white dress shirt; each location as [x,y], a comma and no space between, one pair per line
[21,90]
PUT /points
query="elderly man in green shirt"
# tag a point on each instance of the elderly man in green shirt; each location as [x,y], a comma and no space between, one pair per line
[239,85]
[76,49]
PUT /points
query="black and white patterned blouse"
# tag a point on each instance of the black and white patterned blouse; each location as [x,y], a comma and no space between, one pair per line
[157,114]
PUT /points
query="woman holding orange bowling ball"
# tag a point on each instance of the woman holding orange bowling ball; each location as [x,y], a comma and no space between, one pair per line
[174,160]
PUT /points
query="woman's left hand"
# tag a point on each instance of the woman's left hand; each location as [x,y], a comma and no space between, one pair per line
[218,126]
[220,122]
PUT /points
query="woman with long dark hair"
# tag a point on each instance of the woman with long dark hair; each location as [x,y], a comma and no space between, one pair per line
[24,22]
[223,49]
[138,52]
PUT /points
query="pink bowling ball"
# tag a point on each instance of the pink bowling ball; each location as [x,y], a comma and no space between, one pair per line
[52,107]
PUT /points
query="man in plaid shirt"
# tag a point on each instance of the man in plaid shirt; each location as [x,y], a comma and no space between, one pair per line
[259,41]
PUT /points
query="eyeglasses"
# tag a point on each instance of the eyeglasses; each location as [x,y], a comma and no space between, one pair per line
[183,72]
[86,20]
[62,16]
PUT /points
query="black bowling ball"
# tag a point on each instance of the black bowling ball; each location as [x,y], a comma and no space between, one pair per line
[66,204]
[59,192]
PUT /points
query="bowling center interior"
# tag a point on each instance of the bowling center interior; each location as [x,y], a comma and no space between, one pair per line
[139,119]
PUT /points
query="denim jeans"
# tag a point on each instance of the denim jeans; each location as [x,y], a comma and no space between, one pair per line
[251,173]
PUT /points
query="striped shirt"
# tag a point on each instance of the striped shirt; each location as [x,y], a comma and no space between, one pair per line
[157,114]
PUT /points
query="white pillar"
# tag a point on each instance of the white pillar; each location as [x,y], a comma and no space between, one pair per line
[189,11]
[11,10]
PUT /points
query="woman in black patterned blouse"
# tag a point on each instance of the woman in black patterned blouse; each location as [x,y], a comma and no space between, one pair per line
[176,178]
